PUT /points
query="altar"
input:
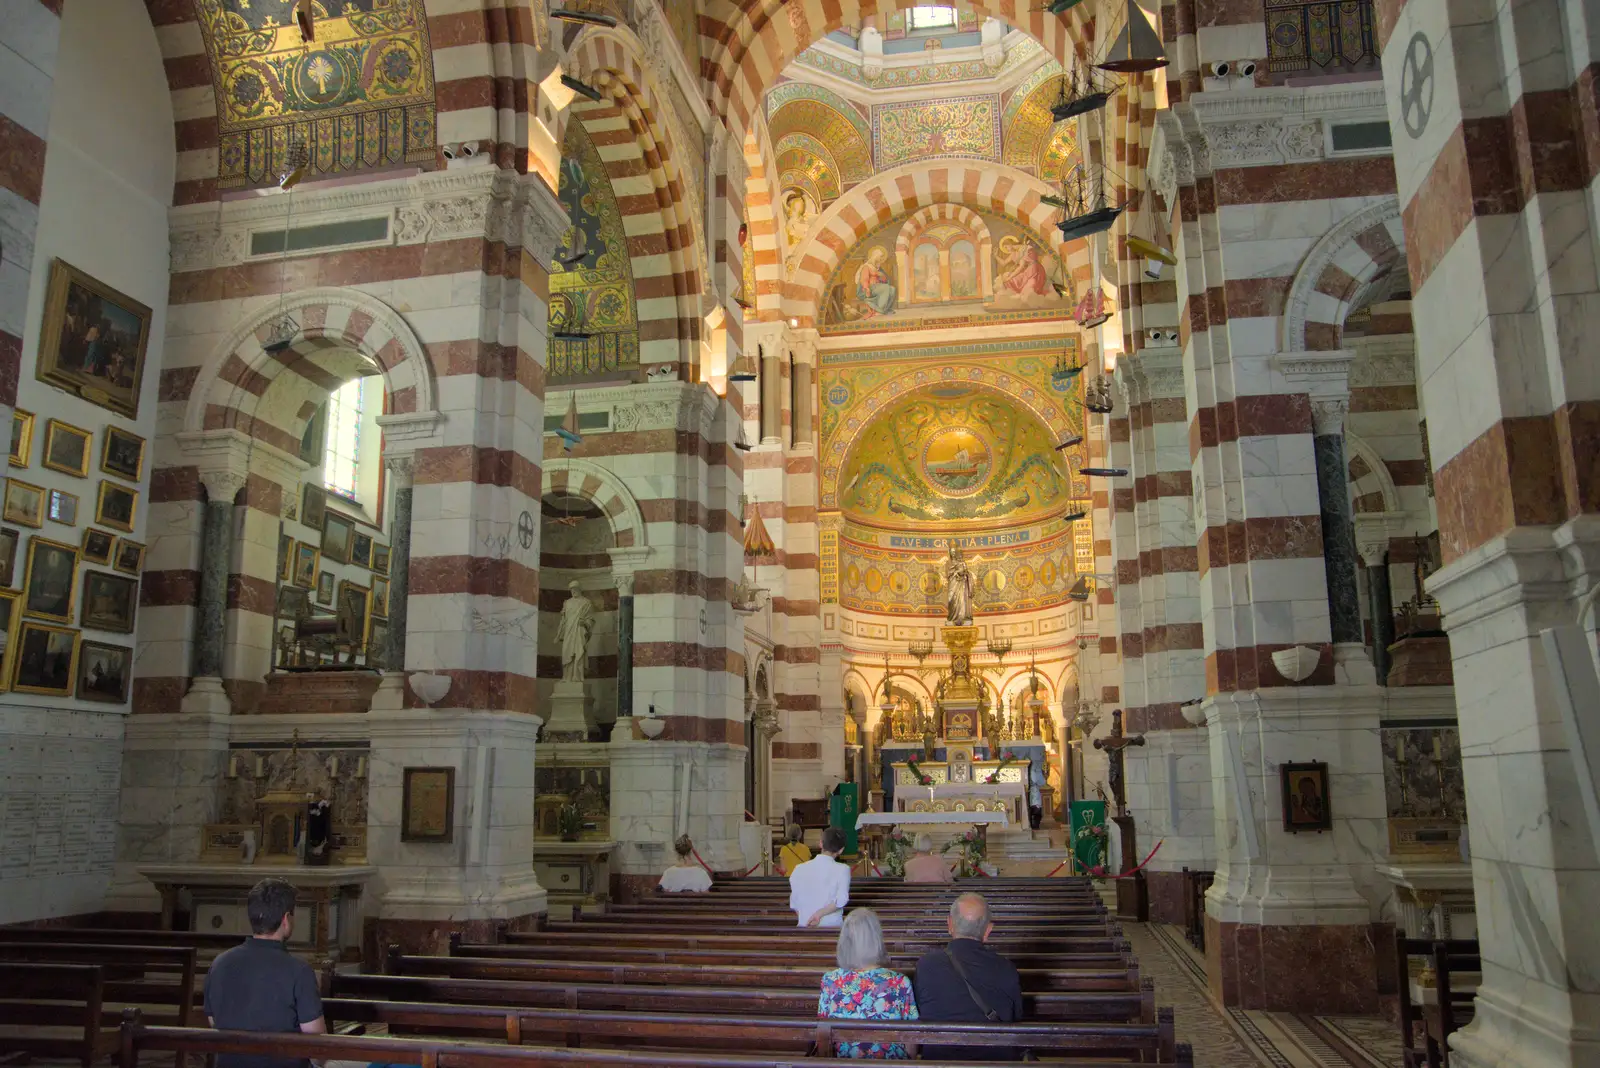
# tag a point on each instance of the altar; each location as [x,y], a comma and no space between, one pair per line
[960,785]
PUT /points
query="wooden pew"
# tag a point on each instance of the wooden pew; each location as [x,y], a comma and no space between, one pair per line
[1136,1005]
[203,941]
[776,975]
[137,1040]
[143,976]
[1452,1008]
[54,998]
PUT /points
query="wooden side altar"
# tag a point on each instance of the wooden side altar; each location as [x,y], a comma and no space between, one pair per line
[327,915]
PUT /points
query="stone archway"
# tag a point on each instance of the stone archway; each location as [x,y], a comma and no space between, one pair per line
[1337,273]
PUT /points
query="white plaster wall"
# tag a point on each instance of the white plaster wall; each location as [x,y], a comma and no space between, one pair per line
[107,183]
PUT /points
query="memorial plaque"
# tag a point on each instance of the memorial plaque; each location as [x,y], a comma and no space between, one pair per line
[428,805]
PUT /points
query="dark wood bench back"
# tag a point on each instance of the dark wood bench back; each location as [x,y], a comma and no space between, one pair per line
[54,995]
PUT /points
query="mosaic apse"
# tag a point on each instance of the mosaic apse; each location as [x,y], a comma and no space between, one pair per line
[359,96]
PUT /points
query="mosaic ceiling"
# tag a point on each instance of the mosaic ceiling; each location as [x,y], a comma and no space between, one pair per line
[358,96]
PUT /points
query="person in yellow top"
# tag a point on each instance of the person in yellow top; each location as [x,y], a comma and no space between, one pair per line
[794,853]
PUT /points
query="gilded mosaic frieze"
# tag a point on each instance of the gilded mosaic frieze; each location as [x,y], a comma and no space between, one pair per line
[358,96]
[936,129]
[591,277]
[1006,579]
[1034,140]
[829,120]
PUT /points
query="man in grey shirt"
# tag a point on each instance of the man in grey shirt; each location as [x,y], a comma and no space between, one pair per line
[260,985]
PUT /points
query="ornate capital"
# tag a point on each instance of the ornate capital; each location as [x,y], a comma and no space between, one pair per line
[1327,414]
[223,485]
[401,469]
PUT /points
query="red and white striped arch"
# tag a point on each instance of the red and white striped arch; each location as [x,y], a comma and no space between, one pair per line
[747,43]
[344,334]
[607,492]
[645,165]
[963,217]
[973,184]
[1339,273]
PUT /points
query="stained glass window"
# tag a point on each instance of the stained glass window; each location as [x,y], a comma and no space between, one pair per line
[931,18]
[342,464]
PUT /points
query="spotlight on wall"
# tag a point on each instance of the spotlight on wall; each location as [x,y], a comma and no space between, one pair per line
[1069,441]
[581,88]
[1247,68]
[1106,472]
[593,18]
[1221,69]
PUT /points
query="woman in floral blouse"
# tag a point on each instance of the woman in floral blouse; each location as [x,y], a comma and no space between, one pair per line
[863,988]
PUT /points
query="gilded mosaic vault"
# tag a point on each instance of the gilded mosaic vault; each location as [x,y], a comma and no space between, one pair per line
[359,96]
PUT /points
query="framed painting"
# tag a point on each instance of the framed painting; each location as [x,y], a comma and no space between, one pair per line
[109,601]
[361,550]
[1305,797]
[380,559]
[377,642]
[116,505]
[66,448]
[380,596]
[92,340]
[103,672]
[338,536]
[352,611]
[21,437]
[97,545]
[48,587]
[307,561]
[63,507]
[122,454]
[293,603]
[128,557]
[313,506]
[24,503]
[325,588]
[45,660]
[9,540]
[10,616]
[427,805]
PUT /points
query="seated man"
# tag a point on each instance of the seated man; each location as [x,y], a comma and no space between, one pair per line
[819,889]
[927,866]
[259,985]
[967,982]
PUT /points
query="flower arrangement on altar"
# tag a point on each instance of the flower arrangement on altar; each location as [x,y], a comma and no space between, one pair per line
[971,848]
[914,766]
[896,848]
[1007,759]
[1097,835]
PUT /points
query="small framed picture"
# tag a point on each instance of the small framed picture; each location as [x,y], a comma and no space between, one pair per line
[352,611]
[307,559]
[103,672]
[129,556]
[116,505]
[109,601]
[46,659]
[66,448]
[285,557]
[427,804]
[380,559]
[122,454]
[48,588]
[338,536]
[24,503]
[21,437]
[1305,797]
[325,588]
[361,550]
[293,603]
[9,541]
[63,507]
[377,642]
[380,596]
[97,545]
[313,506]
[10,616]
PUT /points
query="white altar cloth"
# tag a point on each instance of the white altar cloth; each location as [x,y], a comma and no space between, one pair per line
[880,819]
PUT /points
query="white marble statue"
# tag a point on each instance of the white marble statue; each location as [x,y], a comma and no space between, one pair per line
[577,624]
[958,605]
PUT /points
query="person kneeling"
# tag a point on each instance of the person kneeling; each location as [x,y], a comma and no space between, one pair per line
[686,875]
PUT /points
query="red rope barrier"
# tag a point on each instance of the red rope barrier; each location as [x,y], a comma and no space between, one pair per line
[702,863]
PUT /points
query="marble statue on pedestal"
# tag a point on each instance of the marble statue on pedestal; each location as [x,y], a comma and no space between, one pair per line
[958,579]
[577,624]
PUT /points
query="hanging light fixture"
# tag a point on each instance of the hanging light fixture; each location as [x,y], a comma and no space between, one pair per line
[1137,48]
[568,431]
[284,327]
[1155,257]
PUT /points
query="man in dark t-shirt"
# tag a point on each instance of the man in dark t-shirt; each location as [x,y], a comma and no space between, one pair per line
[260,986]
[967,982]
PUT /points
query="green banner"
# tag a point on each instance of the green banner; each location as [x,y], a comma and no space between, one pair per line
[843,808]
[1088,850]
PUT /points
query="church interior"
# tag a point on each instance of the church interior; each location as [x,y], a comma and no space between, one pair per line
[460,448]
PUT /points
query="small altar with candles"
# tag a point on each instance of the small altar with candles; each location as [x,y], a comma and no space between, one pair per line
[968,791]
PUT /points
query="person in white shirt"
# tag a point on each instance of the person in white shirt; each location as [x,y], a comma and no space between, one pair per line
[687,874]
[819,889]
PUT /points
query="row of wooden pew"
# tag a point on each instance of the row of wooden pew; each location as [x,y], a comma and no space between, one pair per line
[723,978]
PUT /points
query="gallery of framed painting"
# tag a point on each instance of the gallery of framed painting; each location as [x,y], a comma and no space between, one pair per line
[427,805]
[21,437]
[93,340]
[49,586]
[307,559]
[109,601]
[313,506]
[128,556]
[66,448]
[9,542]
[122,454]
[104,672]
[24,503]
[62,508]
[10,616]
[97,545]
[115,506]
[46,659]
[338,537]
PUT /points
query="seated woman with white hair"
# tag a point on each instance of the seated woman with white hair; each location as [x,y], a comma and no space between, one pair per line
[863,987]
[927,866]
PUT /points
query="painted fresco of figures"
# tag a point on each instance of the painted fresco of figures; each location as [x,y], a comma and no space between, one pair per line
[873,287]
[1024,280]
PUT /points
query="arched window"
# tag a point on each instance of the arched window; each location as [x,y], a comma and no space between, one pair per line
[341,467]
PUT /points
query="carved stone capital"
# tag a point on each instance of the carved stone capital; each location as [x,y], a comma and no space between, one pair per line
[1328,414]
[1325,378]
[401,469]
[223,485]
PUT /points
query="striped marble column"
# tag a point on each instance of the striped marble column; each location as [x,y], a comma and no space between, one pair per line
[1496,148]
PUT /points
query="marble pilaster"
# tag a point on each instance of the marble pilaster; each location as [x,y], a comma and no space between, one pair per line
[400,471]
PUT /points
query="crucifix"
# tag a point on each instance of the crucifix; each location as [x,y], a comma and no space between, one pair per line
[1113,747]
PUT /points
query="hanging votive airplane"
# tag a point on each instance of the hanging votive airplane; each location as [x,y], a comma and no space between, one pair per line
[1137,48]
[568,431]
